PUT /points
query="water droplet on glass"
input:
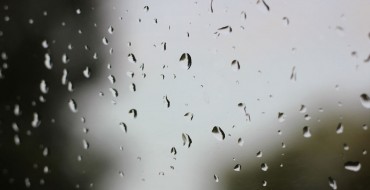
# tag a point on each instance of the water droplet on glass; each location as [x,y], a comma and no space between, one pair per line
[345,147]
[259,154]
[43,87]
[215,177]
[185,61]
[190,115]
[78,11]
[131,58]
[173,151]
[133,112]
[306,132]
[264,183]
[264,167]
[47,62]
[72,105]
[364,127]
[17,140]
[146,8]
[223,30]
[133,87]
[130,74]
[332,183]
[114,92]
[186,140]
[167,101]
[123,127]
[45,152]
[281,117]
[15,127]
[164,45]
[65,59]
[27,182]
[240,142]
[105,41]
[237,167]
[110,30]
[64,77]
[121,173]
[87,72]
[286,21]
[293,76]
[85,144]
[307,117]
[244,15]
[218,133]
[36,120]
[265,4]
[365,101]
[364,152]
[352,166]
[44,44]
[235,65]
[111,79]
[70,86]
[340,128]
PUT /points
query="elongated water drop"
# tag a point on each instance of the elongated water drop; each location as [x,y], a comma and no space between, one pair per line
[72,105]
[215,177]
[123,127]
[352,166]
[44,87]
[306,132]
[85,144]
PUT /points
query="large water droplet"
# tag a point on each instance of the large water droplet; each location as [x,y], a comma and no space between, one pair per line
[72,105]
[306,132]
[218,133]
[185,60]
[352,166]
[365,101]
[235,65]
[332,183]
[237,167]
[131,58]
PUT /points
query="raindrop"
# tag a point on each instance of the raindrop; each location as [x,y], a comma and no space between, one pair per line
[185,60]
[131,58]
[235,65]
[85,144]
[265,4]
[332,183]
[65,59]
[190,115]
[365,101]
[44,44]
[110,30]
[72,105]
[87,72]
[133,87]
[293,76]
[307,117]
[211,6]
[36,120]
[123,126]
[47,62]
[164,45]
[64,77]
[146,8]
[364,152]
[345,146]
[114,92]
[286,20]
[70,86]
[237,167]
[264,183]
[111,79]
[186,140]
[218,133]
[259,154]
[105,41]
[173,151]
[364,127]
[281,117]
[121,173]
[167,101]
[264,167]
[78,11]
[244,15]
[45,152]
[130,74]
[27,182]
[306,132]
[15,127]
[216,178]
[133,112]
[240,142]
[303,109]
[340,128]
[352,166]
[43,87]
[224,30]
[17,140]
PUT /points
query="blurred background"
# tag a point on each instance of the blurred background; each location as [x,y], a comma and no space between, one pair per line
[184,94]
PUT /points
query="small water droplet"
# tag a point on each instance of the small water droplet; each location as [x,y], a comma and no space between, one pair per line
[286,21]
[105,41]
[78,11]
[110,30]
[130,74]
[47,61]
[218,133]
[72,105]
[293,76]
[87,72]
[345,147]
[264,183]
[173,151]
[17,140]
[185,60]
[259,154]
[114,92]
[36,120]
[44,87]
[133,112]
[167,101]
[225,30]
[131,58]
[27,182]
[123,127]
[365,101]
[332,183]
[70,86]
[44,44]
[186,139]
[352,166]
[216,178]
[65,59]
[240,142]
[340,128]
[190,115]
[364,127]
[121,173]
[235,65]
[111,79]
[146,8]
[281,117]
[303,109]
[307,117]
[244,15]
[65,76]
[133,87]
[85,144]
[264,167]
[306,132]
[237,167]
[364,152]
[45,152]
